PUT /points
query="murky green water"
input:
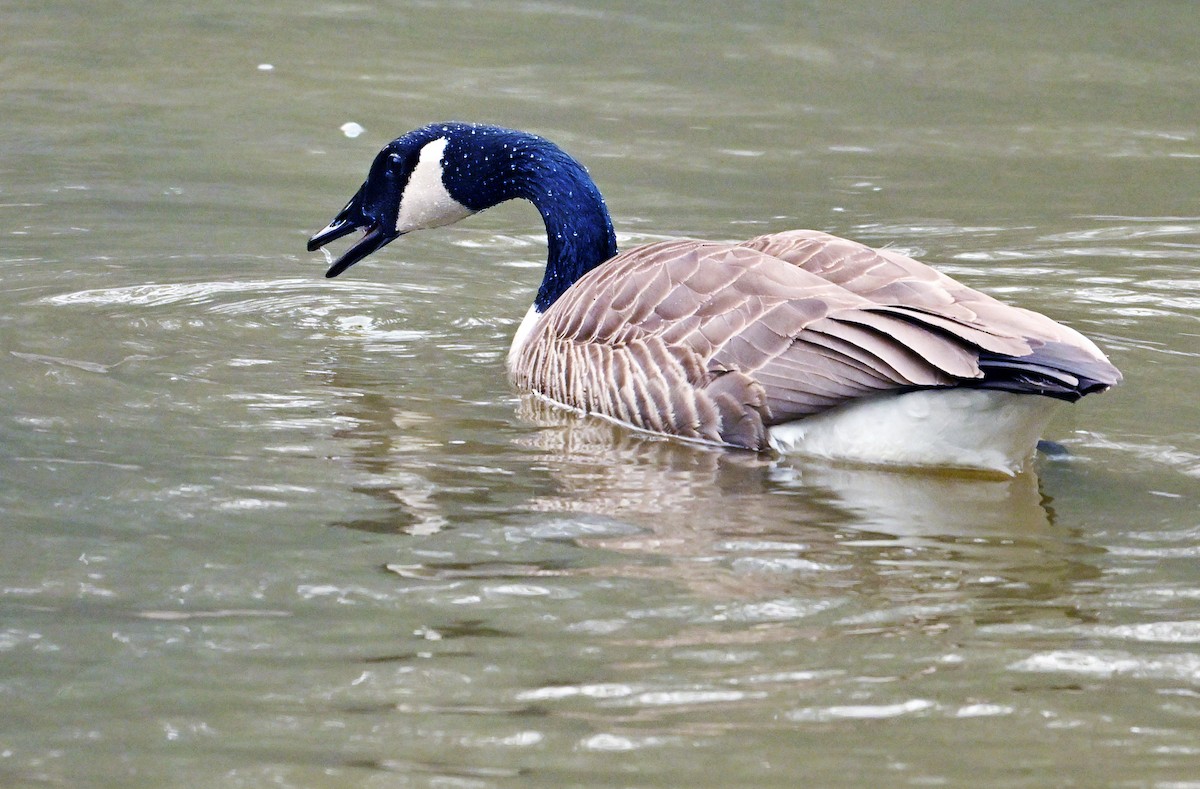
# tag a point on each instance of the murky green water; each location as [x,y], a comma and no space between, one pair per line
[259,528]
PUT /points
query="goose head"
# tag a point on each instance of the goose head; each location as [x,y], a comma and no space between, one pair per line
[445,172]
[405,190]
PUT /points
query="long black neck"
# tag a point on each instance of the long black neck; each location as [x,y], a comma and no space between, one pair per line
[486,165]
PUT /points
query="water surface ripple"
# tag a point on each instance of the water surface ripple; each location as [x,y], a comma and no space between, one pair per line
[262,528]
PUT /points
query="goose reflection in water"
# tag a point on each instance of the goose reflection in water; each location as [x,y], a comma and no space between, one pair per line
[744,524]
[723,524]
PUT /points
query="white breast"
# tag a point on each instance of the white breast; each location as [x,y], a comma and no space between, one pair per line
[522,335]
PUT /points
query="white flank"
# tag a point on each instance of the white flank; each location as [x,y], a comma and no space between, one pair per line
[976,429]
[425,202]
[522,335]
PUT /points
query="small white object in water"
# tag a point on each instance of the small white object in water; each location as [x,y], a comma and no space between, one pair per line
[265,67]
[328,257]
[352,129]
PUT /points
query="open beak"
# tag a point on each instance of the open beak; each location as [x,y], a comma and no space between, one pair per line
[349,219]
[335,229]
[375,238]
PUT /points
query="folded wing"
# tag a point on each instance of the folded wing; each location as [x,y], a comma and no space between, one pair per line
[718,342]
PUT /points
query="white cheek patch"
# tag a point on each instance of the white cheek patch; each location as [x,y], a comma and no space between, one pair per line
[425,202]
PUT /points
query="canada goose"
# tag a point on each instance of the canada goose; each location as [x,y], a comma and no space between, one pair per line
[790,342]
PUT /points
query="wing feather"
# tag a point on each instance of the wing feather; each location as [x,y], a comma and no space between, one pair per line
[717,342]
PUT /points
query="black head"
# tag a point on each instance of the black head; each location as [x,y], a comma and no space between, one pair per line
[447,171]
[403,192]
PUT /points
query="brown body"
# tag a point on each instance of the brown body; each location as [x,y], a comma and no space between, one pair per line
[720,342]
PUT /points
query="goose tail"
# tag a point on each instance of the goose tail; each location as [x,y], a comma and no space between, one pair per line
[1053,369]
